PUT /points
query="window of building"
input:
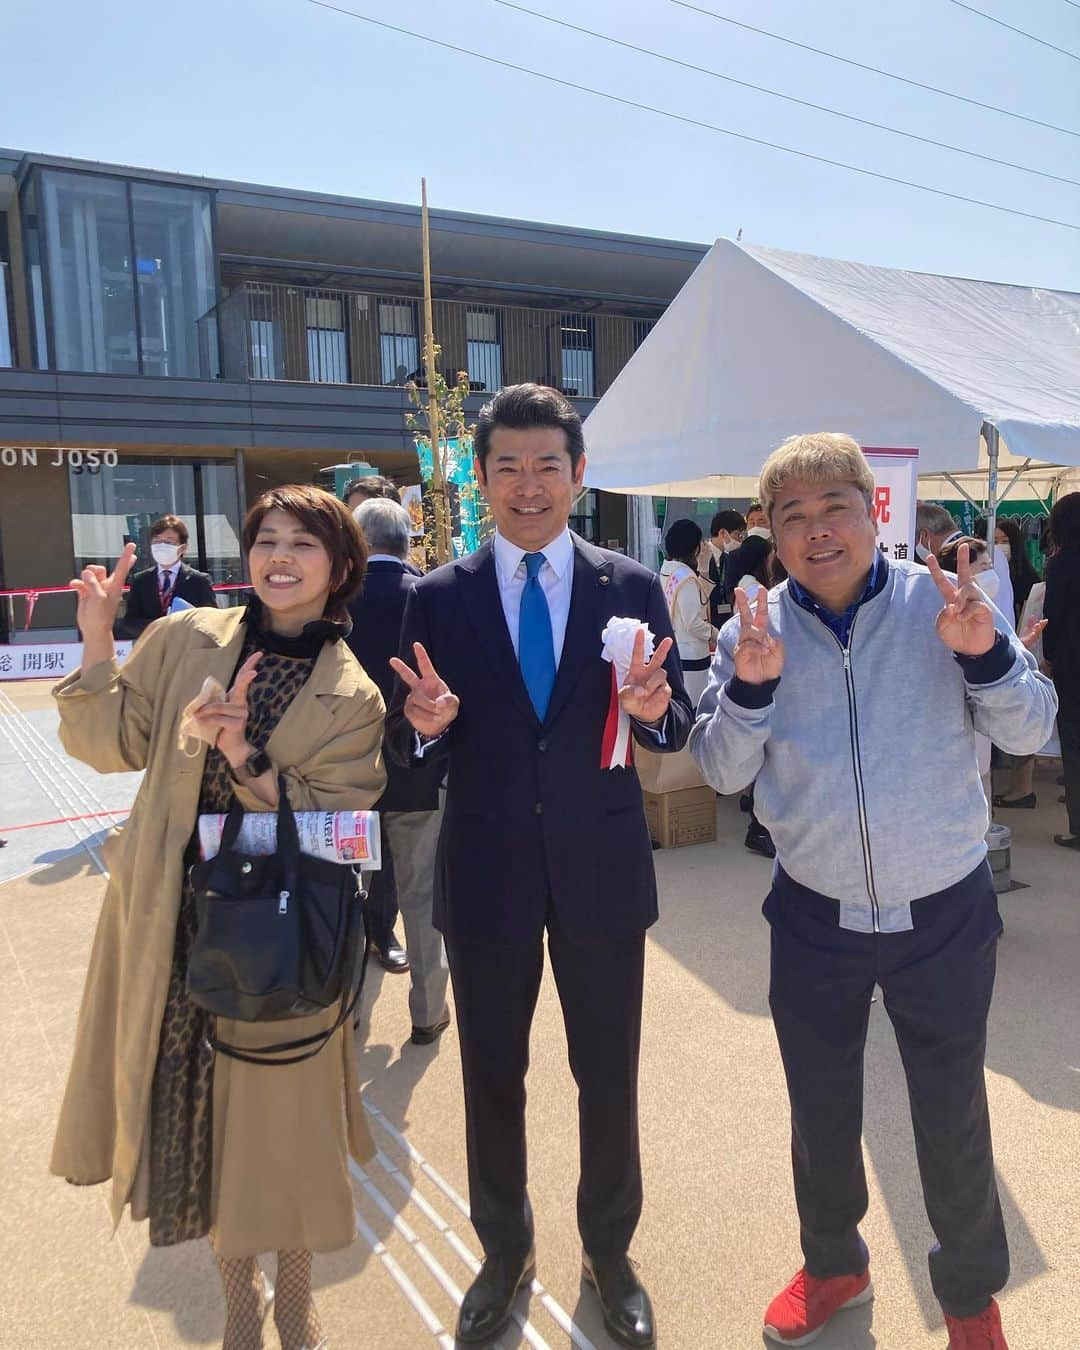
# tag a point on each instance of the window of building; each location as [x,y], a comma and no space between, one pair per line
[34,253]
[262,350]
[484,349]
[576,341]
[256,313]
[111,506]
[399,348]
[585,516]
[89,274]
[7,357]
[642,329]
[120,273]
[327,349]
[174,271]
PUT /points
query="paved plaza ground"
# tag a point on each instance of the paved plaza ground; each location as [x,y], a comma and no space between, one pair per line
[718,1236]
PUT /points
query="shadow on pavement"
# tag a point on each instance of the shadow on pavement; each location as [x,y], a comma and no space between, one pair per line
[711,923]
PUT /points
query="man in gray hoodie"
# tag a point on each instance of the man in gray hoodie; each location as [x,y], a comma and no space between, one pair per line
[844,691]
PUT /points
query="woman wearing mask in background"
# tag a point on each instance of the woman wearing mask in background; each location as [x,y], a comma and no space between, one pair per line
[687,595]
[1061,644]
[1008,539]
[253,1156]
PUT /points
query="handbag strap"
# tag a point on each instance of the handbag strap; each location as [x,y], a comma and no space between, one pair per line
[233,821]
[272,1054]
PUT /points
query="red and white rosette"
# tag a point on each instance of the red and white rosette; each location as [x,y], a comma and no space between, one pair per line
[618,638]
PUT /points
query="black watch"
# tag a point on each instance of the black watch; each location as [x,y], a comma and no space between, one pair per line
[253,767]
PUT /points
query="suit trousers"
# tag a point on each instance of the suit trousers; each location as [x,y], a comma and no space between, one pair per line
[411,838]
[381,910]
[936,983]
[1068,726]
[600,990]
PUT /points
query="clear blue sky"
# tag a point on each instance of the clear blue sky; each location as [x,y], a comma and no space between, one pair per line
[281,92]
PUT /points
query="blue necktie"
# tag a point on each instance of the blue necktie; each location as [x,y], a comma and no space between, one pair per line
[536,647]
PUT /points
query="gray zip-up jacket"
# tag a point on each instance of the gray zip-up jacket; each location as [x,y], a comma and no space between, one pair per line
[865,756]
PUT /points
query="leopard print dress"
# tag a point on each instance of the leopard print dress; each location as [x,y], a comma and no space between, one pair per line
[181,1126]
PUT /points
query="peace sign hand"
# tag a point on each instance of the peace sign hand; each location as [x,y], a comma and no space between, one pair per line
[99,593]
[966,623]
[646,693]
[429,706]
[759,656]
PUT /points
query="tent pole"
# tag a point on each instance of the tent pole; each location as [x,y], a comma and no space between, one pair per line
[966,495]
[992,449]
[1013,480]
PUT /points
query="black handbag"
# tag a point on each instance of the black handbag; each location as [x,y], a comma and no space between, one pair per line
[276,937]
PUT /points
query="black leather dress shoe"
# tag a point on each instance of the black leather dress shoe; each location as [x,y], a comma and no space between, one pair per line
[628,1314]
[425,1035]
[487,1305]
[392,956]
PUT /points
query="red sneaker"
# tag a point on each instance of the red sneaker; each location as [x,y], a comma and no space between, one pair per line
[977,1333]
[797,1315]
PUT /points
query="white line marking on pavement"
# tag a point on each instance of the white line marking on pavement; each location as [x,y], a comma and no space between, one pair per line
[560,1315]
[14,722]
[65,762]
[414,1296]
[39,758]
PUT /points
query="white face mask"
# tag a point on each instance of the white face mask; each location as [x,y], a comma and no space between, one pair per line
[760,531]
[922,552]
[165,555]
[989,583]
[1005,550]
[731,544]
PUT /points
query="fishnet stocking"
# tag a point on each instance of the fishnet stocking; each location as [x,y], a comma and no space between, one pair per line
[246,1302]
[295,1317]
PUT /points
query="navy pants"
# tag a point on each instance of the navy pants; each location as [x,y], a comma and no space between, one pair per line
[382,906]
[936,982]
[600,989]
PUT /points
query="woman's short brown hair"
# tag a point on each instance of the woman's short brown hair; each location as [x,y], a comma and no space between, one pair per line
[331,522]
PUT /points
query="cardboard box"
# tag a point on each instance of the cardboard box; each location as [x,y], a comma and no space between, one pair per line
[666,773]
[686,816]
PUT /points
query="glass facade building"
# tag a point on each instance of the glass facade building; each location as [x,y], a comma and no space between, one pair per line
[120,273]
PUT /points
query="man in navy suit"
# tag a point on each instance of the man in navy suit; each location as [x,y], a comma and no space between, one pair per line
[409,808]
[511,691]
[154,589]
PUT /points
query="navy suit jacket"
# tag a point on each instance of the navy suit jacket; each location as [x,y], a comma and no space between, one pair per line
[143,600]
[532,820]
[376,615]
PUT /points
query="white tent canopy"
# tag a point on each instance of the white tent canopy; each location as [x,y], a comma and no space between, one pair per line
[760,344]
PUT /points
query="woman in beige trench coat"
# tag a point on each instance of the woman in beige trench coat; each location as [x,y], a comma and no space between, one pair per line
[255,1155]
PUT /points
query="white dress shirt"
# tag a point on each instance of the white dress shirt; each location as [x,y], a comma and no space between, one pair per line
[556,578]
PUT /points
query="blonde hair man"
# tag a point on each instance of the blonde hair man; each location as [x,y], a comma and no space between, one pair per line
[843,691]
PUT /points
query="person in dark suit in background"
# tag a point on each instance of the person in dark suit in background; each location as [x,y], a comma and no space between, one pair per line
[154,589]
[409,808]
[371,488]
[383,893]
[511,691]
[726,533]
[1061,646]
